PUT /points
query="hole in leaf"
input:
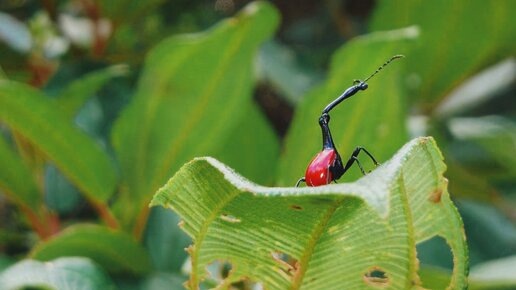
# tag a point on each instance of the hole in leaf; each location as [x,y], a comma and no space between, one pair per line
[434,256]
[296,207]
[229,218]
[435,196]
[376,277]
[225,269]
[221,276]
[287,263]
[219,270]
[435,252]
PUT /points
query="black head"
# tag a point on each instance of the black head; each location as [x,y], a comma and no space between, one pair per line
[361,85]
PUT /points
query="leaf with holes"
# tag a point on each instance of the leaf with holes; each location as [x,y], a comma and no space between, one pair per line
[357,235]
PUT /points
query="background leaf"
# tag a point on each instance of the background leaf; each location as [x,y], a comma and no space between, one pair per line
[495,136]
[34,116]
[16,180]
[188,101]
[457,39]
[115,251]
[329,237]
[252,148]
[165,241]
[374,118]
[74,95]
[60,274]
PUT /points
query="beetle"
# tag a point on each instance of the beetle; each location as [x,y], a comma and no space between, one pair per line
[327,165]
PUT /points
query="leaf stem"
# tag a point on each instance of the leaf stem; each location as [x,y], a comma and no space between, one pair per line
[140,223]
[105,214]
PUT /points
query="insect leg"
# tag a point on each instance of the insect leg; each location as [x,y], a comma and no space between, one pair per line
[354,158]
[302,179]
[368,154]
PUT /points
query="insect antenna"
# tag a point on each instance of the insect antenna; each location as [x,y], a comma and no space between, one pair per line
[384,65]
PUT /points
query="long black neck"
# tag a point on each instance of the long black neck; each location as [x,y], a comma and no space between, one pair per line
[326,134]
[346,94]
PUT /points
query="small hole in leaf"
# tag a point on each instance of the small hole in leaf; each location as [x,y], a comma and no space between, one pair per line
[296,207]
[288,264]
[219,270]
[376,277]
[435,196]
[229,218]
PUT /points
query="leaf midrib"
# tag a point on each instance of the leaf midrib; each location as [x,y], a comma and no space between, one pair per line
[312,243]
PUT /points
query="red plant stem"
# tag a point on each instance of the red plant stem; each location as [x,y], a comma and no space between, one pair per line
[92,9]
[35,222]
[53,223]
[141,221]
[105,214]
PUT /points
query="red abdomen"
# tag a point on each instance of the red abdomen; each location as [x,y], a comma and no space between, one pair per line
[318,171]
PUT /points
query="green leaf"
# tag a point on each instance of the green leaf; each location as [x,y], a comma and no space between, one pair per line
[16,181]
[435,277]
[374,118]
[483,220]
[60,274]
[457,39]
[38,119]
[252,148]
[279,67]
[71,98]
[495,274]
[497,137]
[165,243]
[340,236]
[189,100]
[114,250]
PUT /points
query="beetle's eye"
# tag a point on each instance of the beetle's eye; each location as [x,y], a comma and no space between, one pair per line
[364,86]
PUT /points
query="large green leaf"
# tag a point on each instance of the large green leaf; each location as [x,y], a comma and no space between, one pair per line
[458,38]
[60,274]
[38,119]
[188,101]
[165,244]
[374,118]
[496,136]
[75,94]
[252,148]
[115,250]
[16,180]
[344,236]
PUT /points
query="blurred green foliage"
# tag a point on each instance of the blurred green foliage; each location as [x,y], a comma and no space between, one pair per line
[102,101]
